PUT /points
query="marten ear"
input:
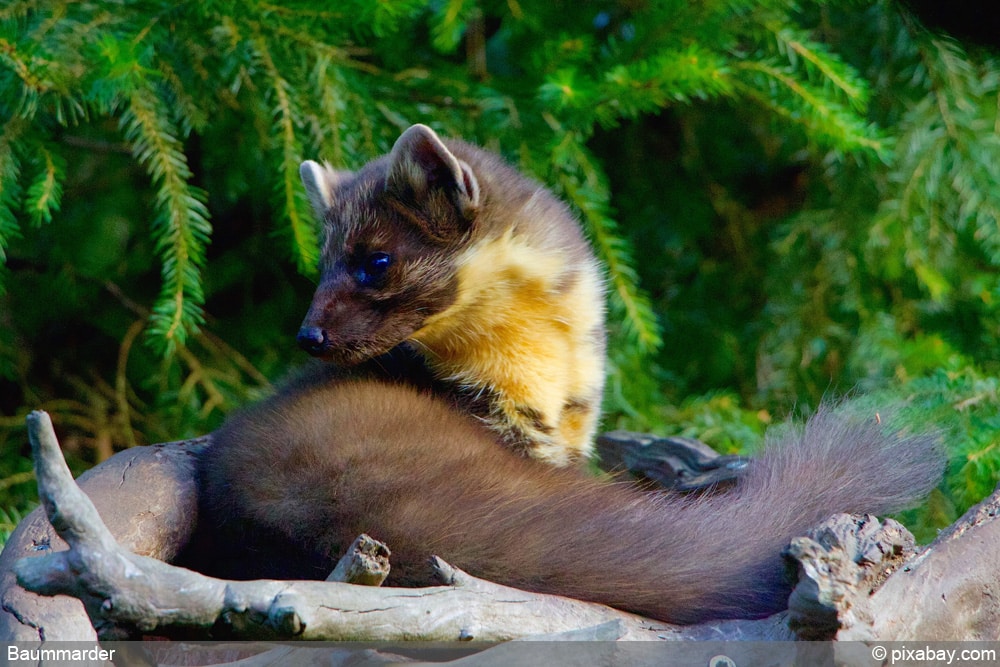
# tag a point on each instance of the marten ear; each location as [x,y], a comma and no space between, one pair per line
[320,182]
[422,167]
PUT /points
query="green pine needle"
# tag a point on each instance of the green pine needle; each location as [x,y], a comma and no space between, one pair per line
[181,228]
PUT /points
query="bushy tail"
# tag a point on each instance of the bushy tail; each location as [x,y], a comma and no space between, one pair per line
[856,462]
[719,556]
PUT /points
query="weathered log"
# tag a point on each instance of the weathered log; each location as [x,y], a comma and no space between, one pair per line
[859,586]
[147,498]
[839,563]
[949,591]
[366,563]
[678,463]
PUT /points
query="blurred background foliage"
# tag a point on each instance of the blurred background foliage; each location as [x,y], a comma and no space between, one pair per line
[794,199]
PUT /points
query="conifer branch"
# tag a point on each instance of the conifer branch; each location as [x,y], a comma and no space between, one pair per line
[664,79]
[795,43]
[945,172]
[823,118]
[32,83]
[327,123]
[186,111]
[590,197]
[10,191]
[343,56]
[45,193]
[451,24]
[181,228]
[17,9]
[640,320]
[304,232]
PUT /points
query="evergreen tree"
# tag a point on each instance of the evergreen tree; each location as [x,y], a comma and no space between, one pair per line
[791,198]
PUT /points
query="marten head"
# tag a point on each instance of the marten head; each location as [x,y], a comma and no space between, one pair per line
[393,231]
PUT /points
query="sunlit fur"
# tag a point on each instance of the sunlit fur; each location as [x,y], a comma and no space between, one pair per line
[524,326]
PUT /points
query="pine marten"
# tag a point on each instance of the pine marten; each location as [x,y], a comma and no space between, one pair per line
[481,270]
[486,281]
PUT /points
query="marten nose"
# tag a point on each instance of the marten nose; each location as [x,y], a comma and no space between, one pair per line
[311,339]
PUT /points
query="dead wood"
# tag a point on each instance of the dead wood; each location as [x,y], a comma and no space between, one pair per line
[147,498]
[949,591]
[366,563]
[864,581]
[673,462]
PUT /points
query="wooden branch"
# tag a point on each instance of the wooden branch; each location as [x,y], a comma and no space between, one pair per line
[674,462]
[949,591]
[126,594]
[839,563]
[860,580]
[366,563]
[146,496]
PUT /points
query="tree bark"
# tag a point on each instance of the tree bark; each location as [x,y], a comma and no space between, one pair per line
[949,591]
[366,563]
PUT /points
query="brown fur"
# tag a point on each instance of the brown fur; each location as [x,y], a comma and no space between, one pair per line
[491,280]
[312,468]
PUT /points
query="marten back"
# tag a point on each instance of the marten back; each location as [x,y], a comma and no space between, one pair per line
[322,463]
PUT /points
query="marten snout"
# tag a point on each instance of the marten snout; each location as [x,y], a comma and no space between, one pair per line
[312,340]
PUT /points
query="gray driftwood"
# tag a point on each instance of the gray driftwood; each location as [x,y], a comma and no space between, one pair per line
[146,496]
[673,462]
[366,563]
[860,580]
[950,590]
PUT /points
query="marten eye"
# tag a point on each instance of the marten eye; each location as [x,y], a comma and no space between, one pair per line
[373,269]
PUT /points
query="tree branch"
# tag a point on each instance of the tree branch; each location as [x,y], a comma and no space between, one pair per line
[366,563]
[861,580]
[949,591]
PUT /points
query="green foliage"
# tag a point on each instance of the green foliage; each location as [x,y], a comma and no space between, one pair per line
[792,199]
[9,518]
[962,404]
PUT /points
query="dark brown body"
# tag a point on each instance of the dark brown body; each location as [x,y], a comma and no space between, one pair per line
[314,467]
